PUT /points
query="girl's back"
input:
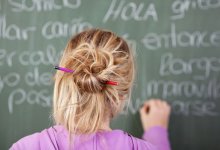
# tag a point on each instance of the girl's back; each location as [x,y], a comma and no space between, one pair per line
[56,138]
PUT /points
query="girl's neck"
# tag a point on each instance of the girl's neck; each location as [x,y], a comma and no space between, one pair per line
[106,125]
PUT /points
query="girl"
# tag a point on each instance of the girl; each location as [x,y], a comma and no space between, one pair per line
[94,80]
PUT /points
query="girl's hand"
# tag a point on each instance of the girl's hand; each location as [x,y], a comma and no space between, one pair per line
[154,112]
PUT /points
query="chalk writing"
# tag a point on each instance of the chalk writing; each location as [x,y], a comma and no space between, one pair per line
[32,97]
[35,78]
[181,7]
[130,11]
[48,57]
[42,5]
[26,58]
[187,89]
[194,108]
[6,58]
[13,31]
[57,29]
[11,80]
[174,39]
[199,68]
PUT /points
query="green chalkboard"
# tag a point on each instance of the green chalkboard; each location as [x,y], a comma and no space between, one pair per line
[176,45]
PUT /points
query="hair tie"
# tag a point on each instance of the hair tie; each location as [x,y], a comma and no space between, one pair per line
[71,71]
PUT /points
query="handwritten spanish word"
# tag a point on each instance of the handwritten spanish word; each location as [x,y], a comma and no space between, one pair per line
[199,68]
[42,5]
[119,9]
[13,31]
[181,7]
[174,39]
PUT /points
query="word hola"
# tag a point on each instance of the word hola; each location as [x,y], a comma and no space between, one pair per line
[130,11]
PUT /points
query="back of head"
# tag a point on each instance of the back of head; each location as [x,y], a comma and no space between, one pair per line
[82,100]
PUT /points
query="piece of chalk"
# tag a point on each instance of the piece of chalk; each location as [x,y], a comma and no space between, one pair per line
[63,69]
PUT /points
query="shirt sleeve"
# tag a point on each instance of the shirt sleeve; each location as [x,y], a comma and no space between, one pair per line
[44,140]
[27,143]
[157,136]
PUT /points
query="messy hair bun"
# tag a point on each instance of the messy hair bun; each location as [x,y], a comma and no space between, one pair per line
[92,69]
[82,99]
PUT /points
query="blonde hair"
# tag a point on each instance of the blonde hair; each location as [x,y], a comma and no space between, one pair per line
[81,99]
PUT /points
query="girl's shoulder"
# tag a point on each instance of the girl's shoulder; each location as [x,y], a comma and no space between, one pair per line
[46,139]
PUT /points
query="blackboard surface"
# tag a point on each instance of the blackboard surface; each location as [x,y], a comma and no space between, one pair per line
[176,45]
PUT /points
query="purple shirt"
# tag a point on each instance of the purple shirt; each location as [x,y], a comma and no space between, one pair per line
[56,138]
